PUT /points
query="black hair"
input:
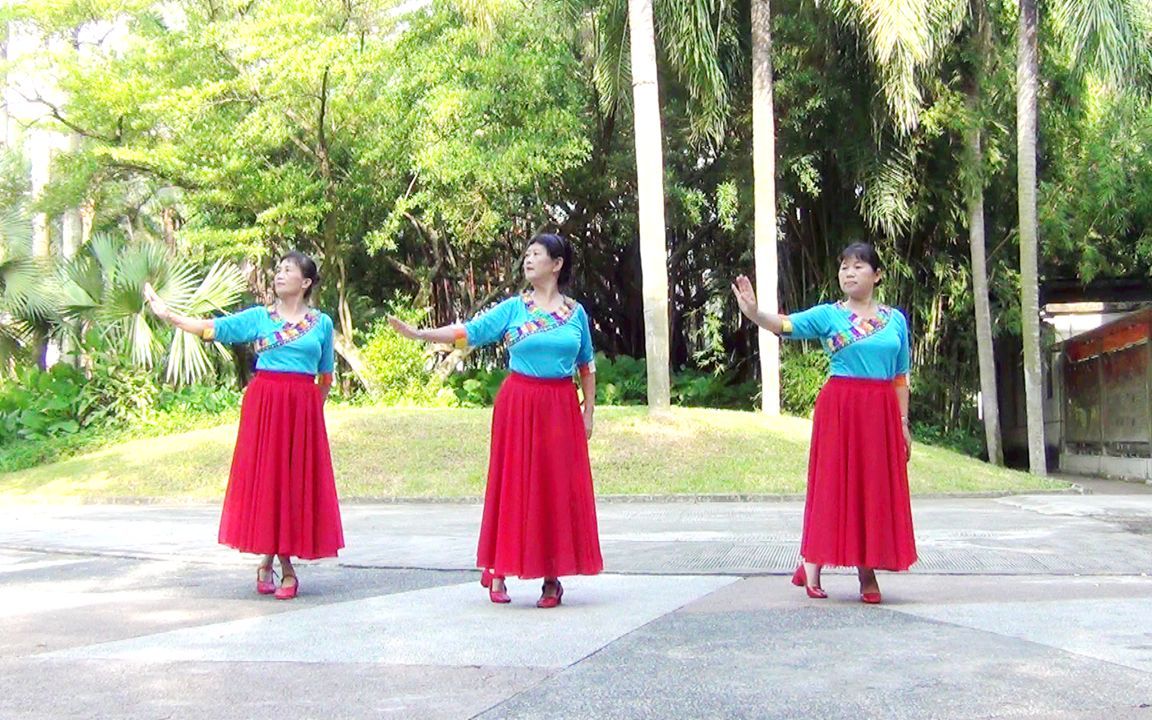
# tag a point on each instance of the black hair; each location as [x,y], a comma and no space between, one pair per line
[862,251]
[557,247]
[307,268]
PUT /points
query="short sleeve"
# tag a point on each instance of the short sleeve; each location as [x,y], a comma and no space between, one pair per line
[904,359]
[490,326]
[327,351]
[811,324]
[585,355]
[243,327]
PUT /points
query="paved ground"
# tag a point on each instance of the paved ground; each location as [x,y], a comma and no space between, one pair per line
[1023,607]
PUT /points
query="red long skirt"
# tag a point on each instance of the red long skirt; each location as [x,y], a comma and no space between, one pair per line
[281,497]
[858,511]
[539,507]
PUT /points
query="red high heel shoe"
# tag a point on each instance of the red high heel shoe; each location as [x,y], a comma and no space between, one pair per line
[500,597]
[550,601]
[871,598]
[287,593]
[800,579]
[265,587]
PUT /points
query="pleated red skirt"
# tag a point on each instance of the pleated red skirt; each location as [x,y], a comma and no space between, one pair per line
[539,507]
[858,511]
[281,496]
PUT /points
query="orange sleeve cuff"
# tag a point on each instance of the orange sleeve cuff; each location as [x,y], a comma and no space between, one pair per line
[209,333]
[588,368]
[461,340]
[324,379]
[785,325]
[901,380]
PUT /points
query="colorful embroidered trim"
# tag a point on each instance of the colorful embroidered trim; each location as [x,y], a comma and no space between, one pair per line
[461,339]
[324,379]
[290,332]
[588,368]
[861,328]
[209,333]
[539,320]
[785,325]
[901,381]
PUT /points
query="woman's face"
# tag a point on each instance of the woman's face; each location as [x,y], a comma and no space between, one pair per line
[289,280]
[539,265]
[858,278]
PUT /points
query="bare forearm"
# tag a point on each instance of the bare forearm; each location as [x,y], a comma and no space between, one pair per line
[196,326]
[903,398]
[588,390]
[445,334]
[771,322]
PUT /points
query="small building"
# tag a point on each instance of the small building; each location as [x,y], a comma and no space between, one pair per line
[1097,388]
[1103,394]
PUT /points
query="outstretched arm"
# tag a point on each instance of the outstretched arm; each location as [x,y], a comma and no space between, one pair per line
[445,334]
[746,299]
[160,309]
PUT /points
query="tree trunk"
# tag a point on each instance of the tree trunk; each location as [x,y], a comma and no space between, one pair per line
[87,218]
[347,350]
[985,346]
[764,184]
[1027,79]
[40,152]
[650,194]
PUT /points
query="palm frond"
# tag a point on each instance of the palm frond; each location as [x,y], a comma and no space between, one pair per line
[887,201]
[15,229]
[690,32]
[103,288]
[905,39]
[1112,38]
[612,74]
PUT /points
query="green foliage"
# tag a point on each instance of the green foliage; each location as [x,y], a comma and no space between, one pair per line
[802,375]
[38,404]
[1096,205]
[50,415]
[103,294]
[622,381]
[400,368]
[477,387]
[414,155]
[960,440]
[41,404]
[192,400]
[697,388]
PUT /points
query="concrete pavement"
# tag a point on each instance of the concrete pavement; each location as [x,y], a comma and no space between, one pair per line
[1022,607]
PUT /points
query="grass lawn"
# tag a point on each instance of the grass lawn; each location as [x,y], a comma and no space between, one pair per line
[442,453]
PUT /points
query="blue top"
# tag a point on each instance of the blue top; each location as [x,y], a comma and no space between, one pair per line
[875,348]
[540,344]
[300,347]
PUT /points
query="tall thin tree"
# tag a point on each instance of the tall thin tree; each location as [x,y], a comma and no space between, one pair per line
[1027,81]
[650,195]
[764,178]
[985,348]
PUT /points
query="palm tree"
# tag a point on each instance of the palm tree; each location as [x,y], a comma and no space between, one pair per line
[974,196]
[764,174]
[102,291]
[905,41]
[1027,80]
[650,196]
[1112,39]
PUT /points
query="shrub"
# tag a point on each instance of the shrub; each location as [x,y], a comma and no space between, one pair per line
[802,374]
[401,369]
